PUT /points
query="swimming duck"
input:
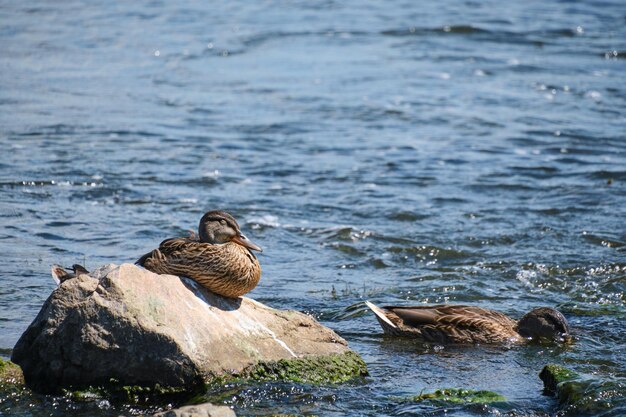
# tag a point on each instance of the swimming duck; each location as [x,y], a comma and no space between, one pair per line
[219,257]
[60,274]
[449,324]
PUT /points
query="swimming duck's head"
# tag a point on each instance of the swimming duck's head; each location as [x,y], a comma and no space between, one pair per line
[544,323]
[219,227]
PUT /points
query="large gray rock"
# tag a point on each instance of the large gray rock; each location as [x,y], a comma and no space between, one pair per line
[129,326]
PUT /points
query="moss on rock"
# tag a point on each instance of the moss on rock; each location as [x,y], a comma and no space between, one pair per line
[553,375]
[10,373]
[312,369]
[135,394]
[582,395]
[454,395]
[12,383]
[85,394]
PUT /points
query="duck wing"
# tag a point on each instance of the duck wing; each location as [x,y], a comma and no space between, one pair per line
[455,323]
[229,269]
[467,316]
[168,246]
[181,253]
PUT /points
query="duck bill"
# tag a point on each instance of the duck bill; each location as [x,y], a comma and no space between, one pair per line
[245,242]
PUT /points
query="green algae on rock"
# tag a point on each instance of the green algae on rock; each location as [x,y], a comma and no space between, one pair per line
[12,386]
[330,369]
[456,396]
[132,394]
[10,373]
[553,375]
[313,369]
[581,394]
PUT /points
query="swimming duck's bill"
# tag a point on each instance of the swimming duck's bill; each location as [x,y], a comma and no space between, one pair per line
[562,339]
[245,242]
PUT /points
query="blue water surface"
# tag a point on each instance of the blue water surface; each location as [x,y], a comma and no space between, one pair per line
[402,152]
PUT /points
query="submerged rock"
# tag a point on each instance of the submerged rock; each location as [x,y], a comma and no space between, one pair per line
[199,410]
[460,396]
[125,325]
[584,395]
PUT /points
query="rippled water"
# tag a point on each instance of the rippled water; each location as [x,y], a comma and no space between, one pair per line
[399,152]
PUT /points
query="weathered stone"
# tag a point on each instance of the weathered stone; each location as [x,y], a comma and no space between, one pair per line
[553,375]
[583,395]
[128,326]
[134,394]
[200,410]
[455,396]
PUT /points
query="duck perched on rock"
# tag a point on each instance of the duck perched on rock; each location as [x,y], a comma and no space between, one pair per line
[219,258]
[450,324]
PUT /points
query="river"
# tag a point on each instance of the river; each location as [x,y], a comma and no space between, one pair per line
[399,152]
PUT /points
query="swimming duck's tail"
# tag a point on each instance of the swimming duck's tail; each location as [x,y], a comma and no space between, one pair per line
[380,315]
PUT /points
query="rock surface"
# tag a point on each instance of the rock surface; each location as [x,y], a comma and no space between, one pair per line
[126,325]
[200,410]
[580,395]
[460,396]
[10,374]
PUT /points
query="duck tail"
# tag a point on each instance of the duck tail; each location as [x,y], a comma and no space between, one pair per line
[59,274]
[380,315]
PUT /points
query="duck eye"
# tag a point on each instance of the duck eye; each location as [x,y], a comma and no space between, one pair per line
[223,222]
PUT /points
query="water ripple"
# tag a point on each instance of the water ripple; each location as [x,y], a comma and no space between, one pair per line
[461,153]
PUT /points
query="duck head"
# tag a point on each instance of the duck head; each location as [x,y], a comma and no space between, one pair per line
[544,323]
[218,227]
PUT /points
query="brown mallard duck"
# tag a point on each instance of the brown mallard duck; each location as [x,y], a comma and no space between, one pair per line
[60,274]
[450,324]
[219,257]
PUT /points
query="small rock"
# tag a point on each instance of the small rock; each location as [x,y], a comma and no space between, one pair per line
[200,410]
[553,375]
[462,396]
[582,394]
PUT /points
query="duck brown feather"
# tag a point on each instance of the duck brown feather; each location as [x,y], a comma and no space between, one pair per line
[228,269]
[449,324]
[60,274]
